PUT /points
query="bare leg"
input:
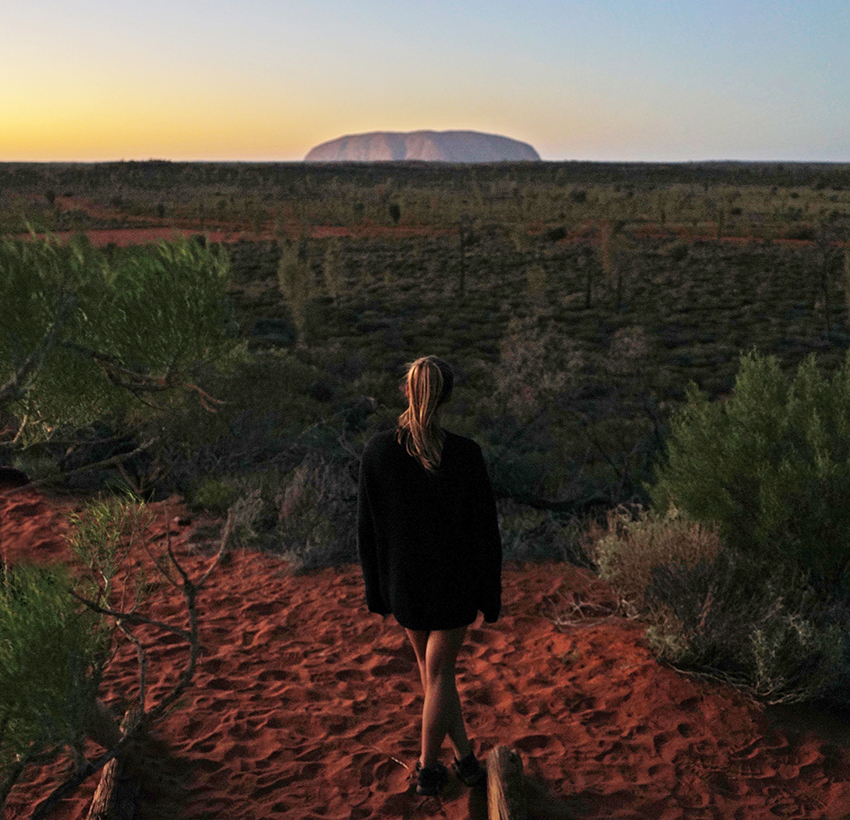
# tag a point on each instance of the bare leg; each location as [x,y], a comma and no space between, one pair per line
[436,653]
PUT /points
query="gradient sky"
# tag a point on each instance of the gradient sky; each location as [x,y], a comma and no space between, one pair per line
[646,80]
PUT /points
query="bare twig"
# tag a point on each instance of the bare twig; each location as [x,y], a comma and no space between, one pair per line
[187,582]
[130,617]
[142,655]
[222,547]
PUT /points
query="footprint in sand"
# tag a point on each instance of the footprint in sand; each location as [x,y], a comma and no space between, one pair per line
[393,666]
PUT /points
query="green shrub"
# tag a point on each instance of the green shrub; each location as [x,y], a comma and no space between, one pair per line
[51,655]
[90,329]
[770,465]
[214,494]
[103,537]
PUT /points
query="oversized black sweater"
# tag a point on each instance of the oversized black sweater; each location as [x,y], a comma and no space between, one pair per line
[428,543]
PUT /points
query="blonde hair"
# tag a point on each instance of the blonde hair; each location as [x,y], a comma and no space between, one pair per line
[427,385]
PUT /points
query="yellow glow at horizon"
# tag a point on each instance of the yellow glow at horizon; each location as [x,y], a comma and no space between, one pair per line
[232,118]
[225,118]
[150,125]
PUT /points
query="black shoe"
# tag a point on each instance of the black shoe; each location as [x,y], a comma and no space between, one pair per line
[430,780]
[469,771]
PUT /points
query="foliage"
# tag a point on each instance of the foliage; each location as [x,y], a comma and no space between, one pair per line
[52,650]
[530,534]
[103,538]
[770,464]
[295,281]
[634,544]
[534,367]
[317,515]
[754,623]
[83,330]
[305,514]
[214,494]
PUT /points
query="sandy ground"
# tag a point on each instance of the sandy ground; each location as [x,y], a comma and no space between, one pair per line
[305,706]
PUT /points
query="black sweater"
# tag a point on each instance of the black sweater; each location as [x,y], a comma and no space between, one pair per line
[428,543]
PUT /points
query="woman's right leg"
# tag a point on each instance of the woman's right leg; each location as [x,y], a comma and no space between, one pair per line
[436,653]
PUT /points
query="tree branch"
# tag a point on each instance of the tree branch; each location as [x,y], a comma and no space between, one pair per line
[129,617]
[141,717]
[16,386]
[108,462]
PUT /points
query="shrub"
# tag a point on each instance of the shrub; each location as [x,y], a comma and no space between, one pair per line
[317,511]
[635,544]
[83,331]
[736,616]
[770,465]
[530,534]
[51,655]
[104,537]
[214,494]
[754,623]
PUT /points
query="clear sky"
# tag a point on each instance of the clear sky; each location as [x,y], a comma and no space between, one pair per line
[578,79]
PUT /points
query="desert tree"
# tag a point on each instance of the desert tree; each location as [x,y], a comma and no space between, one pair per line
[331,270]
[295,281]
[85,334]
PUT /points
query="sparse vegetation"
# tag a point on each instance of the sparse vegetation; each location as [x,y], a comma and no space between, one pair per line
[770,465]
[52,652]
[576,302]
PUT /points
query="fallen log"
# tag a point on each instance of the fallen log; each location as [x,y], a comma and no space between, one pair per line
[117,792]
[506,795]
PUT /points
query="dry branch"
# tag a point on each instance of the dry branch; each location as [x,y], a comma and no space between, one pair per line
[139,717]
[112,461]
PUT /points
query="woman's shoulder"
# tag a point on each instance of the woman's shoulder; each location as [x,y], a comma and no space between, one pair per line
[462,444]
[380,443]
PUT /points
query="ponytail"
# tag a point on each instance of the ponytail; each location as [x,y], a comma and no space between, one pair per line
[428,385]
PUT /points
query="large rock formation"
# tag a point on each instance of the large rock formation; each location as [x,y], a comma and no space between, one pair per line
[431,146]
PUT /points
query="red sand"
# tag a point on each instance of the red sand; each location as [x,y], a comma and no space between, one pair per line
[305,706]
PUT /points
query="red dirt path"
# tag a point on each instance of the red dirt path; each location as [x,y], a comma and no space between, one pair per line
[305,706]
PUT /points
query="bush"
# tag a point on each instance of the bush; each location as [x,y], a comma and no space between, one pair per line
[770,465]
[84,330]
[317,510]
[105,534]
[213,494]
[753,623]
[51,655]
[736,616]
[530,534]
[635,544]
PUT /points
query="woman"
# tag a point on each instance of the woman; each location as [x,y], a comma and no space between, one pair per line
[429,545]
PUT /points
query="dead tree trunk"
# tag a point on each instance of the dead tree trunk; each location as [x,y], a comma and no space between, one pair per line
[117,793]
[506,797]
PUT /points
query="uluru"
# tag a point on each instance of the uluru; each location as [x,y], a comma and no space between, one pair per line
[428,146]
